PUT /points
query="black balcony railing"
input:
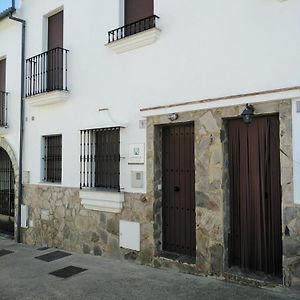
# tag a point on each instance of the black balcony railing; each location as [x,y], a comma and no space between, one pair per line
[132,28]
[47,72]
[3,109]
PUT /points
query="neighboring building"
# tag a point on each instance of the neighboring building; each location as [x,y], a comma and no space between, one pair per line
[134,145]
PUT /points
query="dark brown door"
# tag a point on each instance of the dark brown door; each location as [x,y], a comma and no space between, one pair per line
[2,75]
[55,30]
[55,52]
[255,195]
[179,228]
[7,195]
[137,9]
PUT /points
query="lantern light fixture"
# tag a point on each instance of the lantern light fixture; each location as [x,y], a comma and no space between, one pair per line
[248,114]
[173,117]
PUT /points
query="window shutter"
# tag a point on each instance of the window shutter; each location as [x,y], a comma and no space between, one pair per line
[55,31]
[2,75]
[138,9]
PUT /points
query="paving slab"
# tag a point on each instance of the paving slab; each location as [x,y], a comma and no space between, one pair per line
[23,277]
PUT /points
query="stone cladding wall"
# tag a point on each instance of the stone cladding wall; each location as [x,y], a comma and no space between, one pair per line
[212,185]
[61,221]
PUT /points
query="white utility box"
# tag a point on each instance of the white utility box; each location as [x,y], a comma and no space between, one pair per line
[130,235]
[24,216]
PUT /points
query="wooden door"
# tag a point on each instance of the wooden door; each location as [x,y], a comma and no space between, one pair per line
[255,195]
[136,10]
[179,227]
[55,31]
[55,52]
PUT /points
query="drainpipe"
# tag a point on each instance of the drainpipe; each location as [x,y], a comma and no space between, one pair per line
[20,187]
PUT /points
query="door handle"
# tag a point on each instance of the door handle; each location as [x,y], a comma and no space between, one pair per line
[176,188]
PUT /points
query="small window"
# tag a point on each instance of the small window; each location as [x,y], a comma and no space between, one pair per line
[138,17]
[100,158]
[52,158]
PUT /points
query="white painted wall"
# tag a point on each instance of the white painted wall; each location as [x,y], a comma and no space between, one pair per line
[10,48]
[206,49]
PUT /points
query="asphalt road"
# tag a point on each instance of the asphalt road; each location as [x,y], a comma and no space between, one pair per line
[22,276]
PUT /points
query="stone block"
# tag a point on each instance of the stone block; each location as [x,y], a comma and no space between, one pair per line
[86,249]
[97,251]
[291,246]
[112,226]
[209,122]
[95,237]
[216,259]
[113,248]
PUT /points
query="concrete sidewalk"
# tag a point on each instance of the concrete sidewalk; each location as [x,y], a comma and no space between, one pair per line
[24,277]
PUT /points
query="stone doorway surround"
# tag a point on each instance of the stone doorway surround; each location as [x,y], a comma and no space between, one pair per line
[6,146]
[212,186]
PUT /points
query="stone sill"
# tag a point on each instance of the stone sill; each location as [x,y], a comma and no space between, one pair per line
[102,201]
[48,98]
[50,184]
[135,41]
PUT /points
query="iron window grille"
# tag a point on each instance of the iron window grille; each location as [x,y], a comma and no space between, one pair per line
[132,28]
[100,158]
[3,109]
[52,158]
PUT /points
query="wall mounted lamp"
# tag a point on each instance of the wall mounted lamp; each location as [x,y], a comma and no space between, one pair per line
[248,113]
[173,117]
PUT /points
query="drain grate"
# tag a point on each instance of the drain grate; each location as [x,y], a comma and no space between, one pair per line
[42,248]
[67,272]
[5,252]
[53,256]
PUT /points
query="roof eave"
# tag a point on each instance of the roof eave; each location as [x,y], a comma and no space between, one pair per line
[7,13]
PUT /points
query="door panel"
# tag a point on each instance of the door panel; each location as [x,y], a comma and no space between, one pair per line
[179,226]
[55,31]
[137,9]
[255,195]
[55,56]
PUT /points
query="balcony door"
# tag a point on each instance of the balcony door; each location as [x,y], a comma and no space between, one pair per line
[136,10]
[2,75]
[55,52]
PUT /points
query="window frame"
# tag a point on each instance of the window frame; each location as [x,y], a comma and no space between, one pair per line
[56,176]
[90,175]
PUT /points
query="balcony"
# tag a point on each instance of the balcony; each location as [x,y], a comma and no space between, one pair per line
[47,77]
[3,110]
[131,36]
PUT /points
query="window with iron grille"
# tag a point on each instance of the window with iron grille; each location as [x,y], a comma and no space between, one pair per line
[100,158]
[52,158]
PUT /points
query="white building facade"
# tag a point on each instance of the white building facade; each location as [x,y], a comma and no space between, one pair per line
[134,146]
